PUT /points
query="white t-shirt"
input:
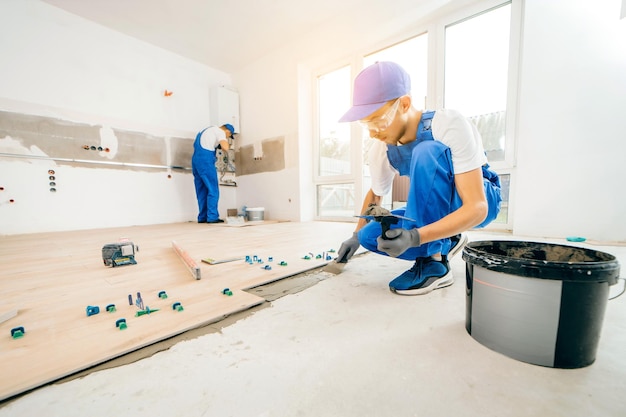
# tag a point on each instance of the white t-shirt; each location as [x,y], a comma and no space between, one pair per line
[211,138]
[448,127]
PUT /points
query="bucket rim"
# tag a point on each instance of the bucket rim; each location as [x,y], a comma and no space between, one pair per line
[588,271]
[470,245]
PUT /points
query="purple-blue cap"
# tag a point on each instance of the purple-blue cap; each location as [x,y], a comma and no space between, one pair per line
[374,86]
[231,129]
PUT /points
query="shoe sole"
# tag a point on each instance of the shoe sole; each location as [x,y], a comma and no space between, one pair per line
[459,246]
[446,281]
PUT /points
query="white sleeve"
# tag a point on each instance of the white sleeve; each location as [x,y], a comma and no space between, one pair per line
[466,145]
[380,169]
[211,137]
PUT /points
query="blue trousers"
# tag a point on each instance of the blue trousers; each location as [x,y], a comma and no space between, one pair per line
[207,188]
[432,196]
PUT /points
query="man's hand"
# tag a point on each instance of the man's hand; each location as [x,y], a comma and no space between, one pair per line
[348,248]
[398,241]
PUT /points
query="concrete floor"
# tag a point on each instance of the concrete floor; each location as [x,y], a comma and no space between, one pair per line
[346,346]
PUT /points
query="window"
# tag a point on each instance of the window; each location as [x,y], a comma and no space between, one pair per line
[336,200]
[463,62]
[476,74]
[476,79]
[334,194]
[334,137]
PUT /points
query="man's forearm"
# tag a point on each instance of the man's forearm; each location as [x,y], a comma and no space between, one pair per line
[370,198]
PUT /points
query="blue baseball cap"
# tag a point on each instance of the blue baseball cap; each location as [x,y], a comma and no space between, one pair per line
[374,86]
[231,129]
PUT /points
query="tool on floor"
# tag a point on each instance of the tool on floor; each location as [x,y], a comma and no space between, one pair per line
[17,332]
[336,266]
[212,261]
[177,306]
[255,259]
[92,310]
[382,216]
[146,311]
[581,239]
[373,212]
[117,254]
[191,265]
[121,324]
[139,301]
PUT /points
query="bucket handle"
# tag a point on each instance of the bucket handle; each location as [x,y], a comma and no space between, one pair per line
[621,292]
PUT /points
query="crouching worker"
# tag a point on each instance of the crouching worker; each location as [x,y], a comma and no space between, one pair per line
[451,187]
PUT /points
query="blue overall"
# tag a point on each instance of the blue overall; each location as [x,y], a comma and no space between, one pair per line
[432,191]
[205,180]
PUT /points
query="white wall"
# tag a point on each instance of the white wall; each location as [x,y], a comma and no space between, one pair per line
[572,127]
[59,65]
[271,110]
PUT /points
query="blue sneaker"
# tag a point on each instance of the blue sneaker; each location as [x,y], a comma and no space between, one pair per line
[458,243]
[425,276]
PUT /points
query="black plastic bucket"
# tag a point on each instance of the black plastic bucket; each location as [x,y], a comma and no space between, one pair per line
[539,303]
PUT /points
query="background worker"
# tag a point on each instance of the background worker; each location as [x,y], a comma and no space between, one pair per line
[451,188]
[205,172]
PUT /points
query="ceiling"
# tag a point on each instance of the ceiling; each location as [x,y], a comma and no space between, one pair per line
[226,35]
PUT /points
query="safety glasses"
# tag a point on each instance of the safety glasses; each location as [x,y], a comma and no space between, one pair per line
[382,122]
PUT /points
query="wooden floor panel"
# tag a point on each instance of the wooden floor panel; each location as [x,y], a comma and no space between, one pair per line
[51,278]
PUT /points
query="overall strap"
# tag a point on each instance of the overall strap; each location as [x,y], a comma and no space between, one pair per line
[201,132]
[400,156]
[424,131]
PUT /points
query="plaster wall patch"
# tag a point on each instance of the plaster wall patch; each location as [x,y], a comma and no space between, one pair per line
[108,140]
[13,146]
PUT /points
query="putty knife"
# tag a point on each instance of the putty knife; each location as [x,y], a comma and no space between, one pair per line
[336,266]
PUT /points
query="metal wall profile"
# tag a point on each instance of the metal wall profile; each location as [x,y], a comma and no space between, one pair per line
[91,161]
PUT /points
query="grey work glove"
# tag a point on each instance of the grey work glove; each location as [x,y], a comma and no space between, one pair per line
[398,241]
[348,248]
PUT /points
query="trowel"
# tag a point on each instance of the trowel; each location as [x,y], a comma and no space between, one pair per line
[336,266]
[376,213]
[384,217]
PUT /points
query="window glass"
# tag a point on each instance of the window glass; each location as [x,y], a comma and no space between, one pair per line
[476,74]
[334,137]
[412,55]
[336,200]
[476,80]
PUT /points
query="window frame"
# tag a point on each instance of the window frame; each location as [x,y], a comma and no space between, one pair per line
[514,61]
[356,165]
